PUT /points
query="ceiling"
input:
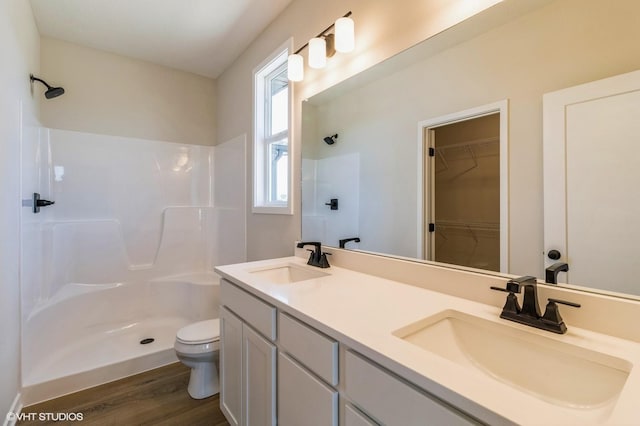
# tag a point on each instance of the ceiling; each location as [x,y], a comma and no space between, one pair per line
[200,36]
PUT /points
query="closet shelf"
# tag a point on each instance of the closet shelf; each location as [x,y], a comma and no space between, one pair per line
[468,147]
[475,226]
[469,144]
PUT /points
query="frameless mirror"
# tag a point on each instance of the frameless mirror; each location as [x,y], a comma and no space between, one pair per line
[376,182]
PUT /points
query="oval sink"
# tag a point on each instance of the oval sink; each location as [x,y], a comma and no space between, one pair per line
[552,370]
[287,274]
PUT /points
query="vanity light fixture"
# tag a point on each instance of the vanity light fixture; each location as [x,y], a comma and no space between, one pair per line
[323,46]
[317,52]
[345,35]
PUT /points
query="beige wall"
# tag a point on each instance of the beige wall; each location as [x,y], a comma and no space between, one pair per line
[382,30]
[19,44]
[115,95]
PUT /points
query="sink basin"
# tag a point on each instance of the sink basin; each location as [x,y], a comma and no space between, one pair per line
[287,274]
[552,370]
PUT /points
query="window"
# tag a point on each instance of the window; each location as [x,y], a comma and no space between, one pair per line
[272,151]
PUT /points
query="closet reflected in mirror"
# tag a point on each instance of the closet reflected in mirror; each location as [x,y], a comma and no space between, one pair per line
[463,193]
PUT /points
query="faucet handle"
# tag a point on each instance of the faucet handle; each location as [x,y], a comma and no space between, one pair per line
[564,302]
[552,315]
[324,263]
[511,306]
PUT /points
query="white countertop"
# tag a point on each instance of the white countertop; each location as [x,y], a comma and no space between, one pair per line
[363,311]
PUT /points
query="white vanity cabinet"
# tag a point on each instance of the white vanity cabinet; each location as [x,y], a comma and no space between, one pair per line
[307,375]
[247,358]
[310,384]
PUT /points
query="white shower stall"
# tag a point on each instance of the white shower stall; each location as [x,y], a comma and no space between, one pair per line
[126,253]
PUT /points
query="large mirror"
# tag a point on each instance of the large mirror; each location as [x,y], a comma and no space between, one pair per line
[375,180]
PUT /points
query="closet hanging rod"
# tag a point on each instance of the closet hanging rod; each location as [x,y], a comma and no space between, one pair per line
[470,143]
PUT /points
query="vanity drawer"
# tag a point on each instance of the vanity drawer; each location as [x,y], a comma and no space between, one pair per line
[252,310]
[353,417]
[311,348]
[391,401]
[302,398]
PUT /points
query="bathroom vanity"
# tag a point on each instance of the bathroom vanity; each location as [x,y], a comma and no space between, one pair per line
[411,344]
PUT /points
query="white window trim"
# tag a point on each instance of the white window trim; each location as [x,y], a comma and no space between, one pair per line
[259,174]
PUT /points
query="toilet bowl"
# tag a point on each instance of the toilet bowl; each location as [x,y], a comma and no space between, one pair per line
[197,346]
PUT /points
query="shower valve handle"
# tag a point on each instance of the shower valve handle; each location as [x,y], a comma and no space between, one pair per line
[37,203]
[44,203]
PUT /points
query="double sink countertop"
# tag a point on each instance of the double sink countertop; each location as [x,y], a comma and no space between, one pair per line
[377,316]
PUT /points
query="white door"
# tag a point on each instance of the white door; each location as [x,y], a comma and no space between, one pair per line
[231,366]
[591,177]
[259,379]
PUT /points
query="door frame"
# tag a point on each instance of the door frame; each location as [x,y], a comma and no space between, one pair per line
[426,172]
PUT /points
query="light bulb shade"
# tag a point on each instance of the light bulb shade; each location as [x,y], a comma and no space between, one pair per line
[345,35]
[317,52]
[295,67]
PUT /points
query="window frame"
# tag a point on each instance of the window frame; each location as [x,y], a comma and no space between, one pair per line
[261,146]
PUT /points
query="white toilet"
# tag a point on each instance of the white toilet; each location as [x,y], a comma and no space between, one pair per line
[197,346]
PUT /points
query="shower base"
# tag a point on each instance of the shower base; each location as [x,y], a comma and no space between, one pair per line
[110,355]
[88,335]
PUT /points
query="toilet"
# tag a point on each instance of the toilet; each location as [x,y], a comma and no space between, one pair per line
[197,346]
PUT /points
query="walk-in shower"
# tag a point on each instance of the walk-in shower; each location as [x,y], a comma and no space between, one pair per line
[125,255]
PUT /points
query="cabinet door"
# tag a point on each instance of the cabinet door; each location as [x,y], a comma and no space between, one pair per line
[231,367]
[259,379]
[302,398]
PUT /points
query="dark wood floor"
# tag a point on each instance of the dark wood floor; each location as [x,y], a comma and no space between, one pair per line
[156,397]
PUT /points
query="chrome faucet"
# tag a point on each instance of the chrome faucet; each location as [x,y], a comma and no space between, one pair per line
[530,314]
[317,257]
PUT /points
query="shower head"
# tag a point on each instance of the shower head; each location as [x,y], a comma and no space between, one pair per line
[52,92]
[330,140]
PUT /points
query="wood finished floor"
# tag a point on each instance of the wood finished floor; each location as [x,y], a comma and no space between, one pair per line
[156,397]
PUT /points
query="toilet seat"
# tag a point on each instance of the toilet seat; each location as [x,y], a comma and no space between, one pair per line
[199,333]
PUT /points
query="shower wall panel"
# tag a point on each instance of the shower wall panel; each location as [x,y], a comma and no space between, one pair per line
[324,179]
[125,209]
[229,199]
[129,180]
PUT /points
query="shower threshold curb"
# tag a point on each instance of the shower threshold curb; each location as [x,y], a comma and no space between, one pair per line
[44,391]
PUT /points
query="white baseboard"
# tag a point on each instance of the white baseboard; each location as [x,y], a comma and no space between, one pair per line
[11,417]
